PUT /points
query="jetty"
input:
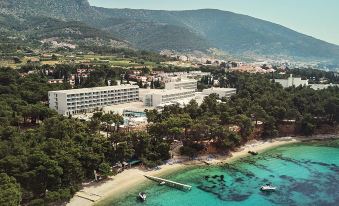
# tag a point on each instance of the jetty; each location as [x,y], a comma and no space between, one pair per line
[170,183]
[88,196]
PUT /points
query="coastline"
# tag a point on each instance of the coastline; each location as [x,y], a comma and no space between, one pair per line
[115,186]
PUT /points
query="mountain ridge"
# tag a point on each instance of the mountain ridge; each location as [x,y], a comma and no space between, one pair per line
[186,30]
[207,24]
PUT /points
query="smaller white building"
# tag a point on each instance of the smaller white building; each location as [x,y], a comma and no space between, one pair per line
[222,92]
[182,84]
[322,86]
[292,81]
[55,81]
[183,58]
[156,97]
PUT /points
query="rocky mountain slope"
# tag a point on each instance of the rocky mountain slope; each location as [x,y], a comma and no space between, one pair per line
[181,30]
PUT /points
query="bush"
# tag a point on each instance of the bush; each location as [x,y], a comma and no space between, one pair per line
[188,151]
[150,163]
[105,170]
[307,125]
[57,196]
[10,191]
[37,202]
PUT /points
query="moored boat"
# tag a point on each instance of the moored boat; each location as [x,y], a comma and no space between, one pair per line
[267,188]
[162,183]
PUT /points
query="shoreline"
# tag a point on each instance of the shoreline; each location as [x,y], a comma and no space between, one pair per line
[94,193]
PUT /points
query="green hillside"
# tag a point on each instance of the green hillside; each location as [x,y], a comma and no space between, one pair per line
[30,31]
[62,9]
[177,30]
[155,36]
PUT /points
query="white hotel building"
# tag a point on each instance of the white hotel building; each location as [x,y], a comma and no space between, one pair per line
[69,102]
[154,98]
[183,84]
[222,92]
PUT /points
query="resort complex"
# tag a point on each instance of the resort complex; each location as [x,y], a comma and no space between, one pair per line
[181,92]
[129,107]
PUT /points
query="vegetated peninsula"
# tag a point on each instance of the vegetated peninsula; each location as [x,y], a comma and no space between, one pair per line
[48,156]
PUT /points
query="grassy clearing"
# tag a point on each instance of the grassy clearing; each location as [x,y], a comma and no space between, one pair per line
[84,59]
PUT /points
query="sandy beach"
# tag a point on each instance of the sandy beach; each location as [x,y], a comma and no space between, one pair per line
[118,184]
[128,179]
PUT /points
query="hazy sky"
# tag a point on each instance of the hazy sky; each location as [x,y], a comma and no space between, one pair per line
[317,18]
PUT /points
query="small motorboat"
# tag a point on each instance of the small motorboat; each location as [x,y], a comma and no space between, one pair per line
[253,152]
[268,188]
[162,183]
[142,196]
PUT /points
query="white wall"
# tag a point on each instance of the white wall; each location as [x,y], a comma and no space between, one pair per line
[222,92]
[292,81]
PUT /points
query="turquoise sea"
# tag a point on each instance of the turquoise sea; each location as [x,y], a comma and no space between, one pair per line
[304,174]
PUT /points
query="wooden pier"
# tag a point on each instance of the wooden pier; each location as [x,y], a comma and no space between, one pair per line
[170,183]
[88,196]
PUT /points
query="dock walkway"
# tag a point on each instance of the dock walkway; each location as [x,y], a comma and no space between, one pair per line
[170,183]
[88,196]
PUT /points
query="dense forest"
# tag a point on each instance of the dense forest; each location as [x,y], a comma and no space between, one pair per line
[257,100]
[45,157]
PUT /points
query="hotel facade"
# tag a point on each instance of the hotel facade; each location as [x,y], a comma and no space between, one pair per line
[74,101]
[222,92]
[158,97]
[183,84]
[292,81]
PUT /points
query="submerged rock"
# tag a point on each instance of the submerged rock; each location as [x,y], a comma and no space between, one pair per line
[239,179]
[304,188]
[289,178]
[321,164]
[239,197]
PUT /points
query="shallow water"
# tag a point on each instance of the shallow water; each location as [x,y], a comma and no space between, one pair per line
[304,174]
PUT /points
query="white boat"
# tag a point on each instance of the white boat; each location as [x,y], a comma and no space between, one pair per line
[142,196]
[267,188]
[162,183]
